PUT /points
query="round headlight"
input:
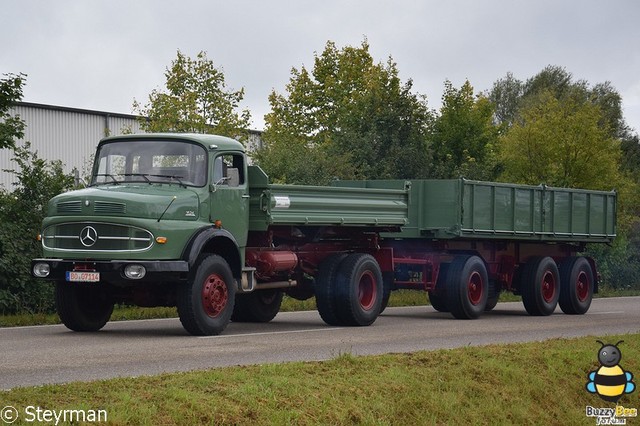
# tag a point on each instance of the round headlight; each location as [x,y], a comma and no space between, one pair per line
[41,269]
[135,272]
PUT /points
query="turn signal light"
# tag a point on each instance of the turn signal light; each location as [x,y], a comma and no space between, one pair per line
[161,240]
[217,223]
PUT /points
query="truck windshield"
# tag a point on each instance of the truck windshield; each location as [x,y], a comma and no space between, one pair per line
[150,161]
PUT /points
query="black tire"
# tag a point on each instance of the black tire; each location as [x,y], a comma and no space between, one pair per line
[467,287]
[492,298]
[540,286]
[205,303]
[438,297]
[83,307]
[324,283]
[358,290]
[387,282]
[257,306]
[576,285]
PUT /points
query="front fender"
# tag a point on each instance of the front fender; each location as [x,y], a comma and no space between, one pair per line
[215,241]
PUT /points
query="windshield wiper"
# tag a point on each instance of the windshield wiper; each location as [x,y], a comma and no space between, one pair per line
[115,181]
[145,176]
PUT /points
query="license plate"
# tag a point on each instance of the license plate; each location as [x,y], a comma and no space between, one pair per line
[83,276]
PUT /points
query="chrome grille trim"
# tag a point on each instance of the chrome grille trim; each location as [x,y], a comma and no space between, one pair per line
[111,238]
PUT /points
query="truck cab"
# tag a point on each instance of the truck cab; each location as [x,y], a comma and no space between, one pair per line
[156,204]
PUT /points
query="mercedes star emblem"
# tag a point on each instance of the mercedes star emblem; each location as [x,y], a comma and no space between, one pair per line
[88,236]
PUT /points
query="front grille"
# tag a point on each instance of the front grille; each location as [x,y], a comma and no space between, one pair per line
[69,207]
[96,236]
[108,207]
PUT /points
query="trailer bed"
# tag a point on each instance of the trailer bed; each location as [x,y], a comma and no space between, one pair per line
[460,208]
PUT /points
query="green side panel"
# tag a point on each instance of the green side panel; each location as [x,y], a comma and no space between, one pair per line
[444,209]
[272,204]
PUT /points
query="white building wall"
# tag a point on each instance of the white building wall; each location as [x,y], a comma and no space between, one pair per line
[71,135]
[66,134]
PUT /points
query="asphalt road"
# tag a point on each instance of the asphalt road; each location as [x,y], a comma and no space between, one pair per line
[52,354]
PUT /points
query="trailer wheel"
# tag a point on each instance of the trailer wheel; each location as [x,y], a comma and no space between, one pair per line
[257,306]
[467,287]
[492,298]
[205,302]
[438,296]
[576,289]
[540,286]
[387,283]
[324,282]
[358,290]
[83,307]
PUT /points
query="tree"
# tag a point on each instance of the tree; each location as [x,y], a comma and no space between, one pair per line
[347,117]
[464,135]
[560,142]
[11,127]
[196,100]
[38,181]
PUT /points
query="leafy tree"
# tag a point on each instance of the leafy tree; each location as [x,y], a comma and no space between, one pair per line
[11,127]
[505,96]
[38,180]
[347,117]
[196,100]
[465,136]
[560,142]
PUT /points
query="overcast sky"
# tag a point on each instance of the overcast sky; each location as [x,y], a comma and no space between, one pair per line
[102,54]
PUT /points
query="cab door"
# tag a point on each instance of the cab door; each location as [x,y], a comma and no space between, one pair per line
[230,195]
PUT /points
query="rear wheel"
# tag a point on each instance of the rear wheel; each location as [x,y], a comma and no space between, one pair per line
[205,302]
[324,283]
[576,290]
[257,306]
[438,296]
[494,295]
[467,287]
[83,307]
[358,290]
[540,286]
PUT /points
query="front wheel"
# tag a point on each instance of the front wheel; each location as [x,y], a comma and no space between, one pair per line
[83,307]
[540,286]
[205,302]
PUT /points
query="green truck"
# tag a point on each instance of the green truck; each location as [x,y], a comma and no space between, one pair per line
[184,220]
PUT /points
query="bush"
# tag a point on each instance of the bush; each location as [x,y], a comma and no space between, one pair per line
[21,213]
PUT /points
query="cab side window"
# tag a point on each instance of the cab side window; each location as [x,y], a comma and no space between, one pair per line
[228,169]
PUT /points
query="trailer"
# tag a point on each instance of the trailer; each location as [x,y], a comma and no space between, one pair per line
[183,220]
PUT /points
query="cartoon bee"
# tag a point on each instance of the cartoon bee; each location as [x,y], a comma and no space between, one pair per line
[610,381]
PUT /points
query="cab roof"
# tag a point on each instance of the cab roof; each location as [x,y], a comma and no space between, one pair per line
[207,141]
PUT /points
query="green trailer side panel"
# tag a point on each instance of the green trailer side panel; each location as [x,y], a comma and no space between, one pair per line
[272,204]
[444,209]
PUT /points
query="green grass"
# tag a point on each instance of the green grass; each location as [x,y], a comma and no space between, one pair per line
[532,383]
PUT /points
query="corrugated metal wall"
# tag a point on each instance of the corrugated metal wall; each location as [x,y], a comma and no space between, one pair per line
[66,134]
[71,135]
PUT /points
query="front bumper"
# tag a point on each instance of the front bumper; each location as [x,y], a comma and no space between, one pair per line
[112,271]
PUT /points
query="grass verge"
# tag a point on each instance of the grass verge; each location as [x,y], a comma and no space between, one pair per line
[532,383]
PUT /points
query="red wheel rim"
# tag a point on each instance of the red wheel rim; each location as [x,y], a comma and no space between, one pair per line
[548,287]
[474,288]
[367,291]
[214,295]
[582,287]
